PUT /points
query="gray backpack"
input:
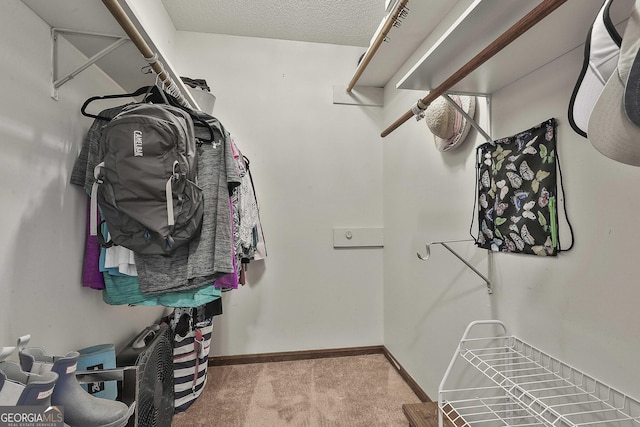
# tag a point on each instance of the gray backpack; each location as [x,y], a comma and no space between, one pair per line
[145,186]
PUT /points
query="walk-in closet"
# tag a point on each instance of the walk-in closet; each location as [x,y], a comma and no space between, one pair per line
[444,189]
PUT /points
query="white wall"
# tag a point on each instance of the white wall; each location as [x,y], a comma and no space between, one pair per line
[316,166]
[42,215]
[580,306]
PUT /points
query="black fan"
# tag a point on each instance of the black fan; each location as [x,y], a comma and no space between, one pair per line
[155,400]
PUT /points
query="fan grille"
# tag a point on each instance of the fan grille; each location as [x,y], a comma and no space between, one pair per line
[155,403]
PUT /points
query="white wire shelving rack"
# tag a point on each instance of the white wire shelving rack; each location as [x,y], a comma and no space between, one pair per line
[508,382]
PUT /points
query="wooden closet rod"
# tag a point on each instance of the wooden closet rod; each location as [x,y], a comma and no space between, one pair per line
[151,57]
[368,56]
[523,25]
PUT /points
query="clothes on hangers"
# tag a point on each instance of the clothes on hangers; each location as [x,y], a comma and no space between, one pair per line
[125,293]
[196,83]
[249,214]
[90,153]
[91,275]
[120,260]
[231,234]
[209,255]
[125,290]
[218,179]
[82,175]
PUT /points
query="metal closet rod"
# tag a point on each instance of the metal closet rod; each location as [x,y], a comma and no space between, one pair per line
[368,56]
[523,25]
[152,58]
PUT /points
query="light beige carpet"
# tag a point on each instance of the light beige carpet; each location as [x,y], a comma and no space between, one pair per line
[353,391]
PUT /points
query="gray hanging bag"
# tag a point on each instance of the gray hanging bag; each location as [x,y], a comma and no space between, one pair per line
[146,185]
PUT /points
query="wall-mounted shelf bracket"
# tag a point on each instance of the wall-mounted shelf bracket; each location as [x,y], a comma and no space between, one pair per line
[471,120]
[446,246]
[55,33]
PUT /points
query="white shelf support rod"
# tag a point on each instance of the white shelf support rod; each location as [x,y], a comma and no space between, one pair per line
[444,244]
[472,121]
[55,32]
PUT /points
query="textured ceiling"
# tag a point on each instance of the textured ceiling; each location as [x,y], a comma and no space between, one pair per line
[346,22]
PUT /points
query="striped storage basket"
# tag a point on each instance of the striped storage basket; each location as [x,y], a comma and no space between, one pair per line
[191,344]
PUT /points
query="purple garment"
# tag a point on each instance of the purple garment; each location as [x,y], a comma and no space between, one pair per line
[229,281]
[226,282]
[91,275]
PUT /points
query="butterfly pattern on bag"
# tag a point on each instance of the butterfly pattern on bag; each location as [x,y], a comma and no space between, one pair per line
[517,192]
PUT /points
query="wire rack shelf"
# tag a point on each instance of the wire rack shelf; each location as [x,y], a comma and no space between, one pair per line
[511,383]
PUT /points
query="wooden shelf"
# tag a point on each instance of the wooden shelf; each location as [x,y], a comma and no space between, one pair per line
[423,17]
[478,23]
[123,64]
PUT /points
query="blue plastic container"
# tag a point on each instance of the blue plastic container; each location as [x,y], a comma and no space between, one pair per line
[99,357]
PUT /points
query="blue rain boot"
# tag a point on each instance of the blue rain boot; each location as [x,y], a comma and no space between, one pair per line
[18,388]
[80,408]
[22,387]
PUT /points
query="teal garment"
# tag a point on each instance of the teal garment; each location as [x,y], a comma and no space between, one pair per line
[120,290]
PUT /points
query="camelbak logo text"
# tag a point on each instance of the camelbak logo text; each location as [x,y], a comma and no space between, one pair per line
[137,143]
